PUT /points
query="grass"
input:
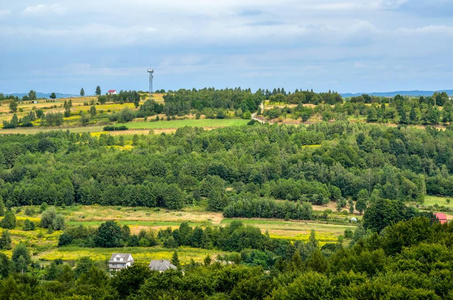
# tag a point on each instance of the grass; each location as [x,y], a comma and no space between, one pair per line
[137,126]
[441,201]
[206,123]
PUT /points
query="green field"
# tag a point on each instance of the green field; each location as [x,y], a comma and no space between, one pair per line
[207,123]
[441,201]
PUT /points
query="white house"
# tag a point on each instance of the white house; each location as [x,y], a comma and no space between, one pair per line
[112,92]
[120,261]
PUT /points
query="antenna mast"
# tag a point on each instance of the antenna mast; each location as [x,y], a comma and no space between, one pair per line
[151,72]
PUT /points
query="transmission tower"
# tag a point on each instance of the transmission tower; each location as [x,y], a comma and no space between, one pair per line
[150,71]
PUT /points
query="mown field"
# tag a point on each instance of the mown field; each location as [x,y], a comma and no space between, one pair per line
[137,127]
[43,244]
[206,123]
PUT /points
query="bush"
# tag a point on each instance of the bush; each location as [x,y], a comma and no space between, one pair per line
[30,211]
[28,225]
[115,128]
[51,220]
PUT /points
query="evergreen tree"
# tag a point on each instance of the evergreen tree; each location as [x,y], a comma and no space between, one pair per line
[9,221]
[2,206]
[351,206]
[53,96]
[317,262]
[82,92]
[21,257]
[413,118]
[13,106]
[403,115]
[296,260]
[32,95]
[312,240]
[93,111]
[175,259]
[5,240]
[98,90]
[207,260]
[28,225]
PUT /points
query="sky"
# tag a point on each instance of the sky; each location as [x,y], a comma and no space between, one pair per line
[345,46]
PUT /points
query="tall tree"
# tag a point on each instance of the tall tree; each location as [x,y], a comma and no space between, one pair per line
[362,199]
[82,92]
[93,110]
[21,256]
[9,221]
[5,240]
[175,259]
[32,95]
[98,90]
[13,106]
[108,235]
[2,207]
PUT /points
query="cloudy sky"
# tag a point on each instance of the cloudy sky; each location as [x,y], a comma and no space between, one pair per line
[346,46]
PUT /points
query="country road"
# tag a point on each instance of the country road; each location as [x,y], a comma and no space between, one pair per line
[254,115]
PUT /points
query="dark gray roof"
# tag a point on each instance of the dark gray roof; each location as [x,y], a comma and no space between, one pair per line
[161,265]
[125,256]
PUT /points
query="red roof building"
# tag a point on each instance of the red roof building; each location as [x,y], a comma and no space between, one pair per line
[441,217]
[111,92]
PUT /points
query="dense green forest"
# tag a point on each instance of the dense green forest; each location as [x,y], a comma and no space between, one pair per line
[316,164]
[408,260]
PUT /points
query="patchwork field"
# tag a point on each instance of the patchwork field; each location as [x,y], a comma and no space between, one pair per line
[137,127]
[44,244]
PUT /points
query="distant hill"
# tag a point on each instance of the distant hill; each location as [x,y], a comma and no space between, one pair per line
[43,95]
[402,93]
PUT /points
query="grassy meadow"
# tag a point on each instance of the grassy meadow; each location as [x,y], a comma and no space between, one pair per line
[43,244]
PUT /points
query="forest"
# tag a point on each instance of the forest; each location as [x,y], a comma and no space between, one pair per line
[411,259]
[315,164]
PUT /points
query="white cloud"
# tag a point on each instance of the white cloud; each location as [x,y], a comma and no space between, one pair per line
[287,41]
[44,9]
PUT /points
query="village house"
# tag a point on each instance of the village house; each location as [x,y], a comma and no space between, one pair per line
[119,261]
[112,92]
[161,265]
[441,217]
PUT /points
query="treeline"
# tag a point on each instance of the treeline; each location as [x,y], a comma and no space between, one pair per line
[434,110]
[233,237]
[268,208]
[182,102]
[304,97]
[316,164]
[121,97]
[408,260]
[47,119]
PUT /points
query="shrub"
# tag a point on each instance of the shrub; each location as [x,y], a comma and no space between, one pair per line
[115,128]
